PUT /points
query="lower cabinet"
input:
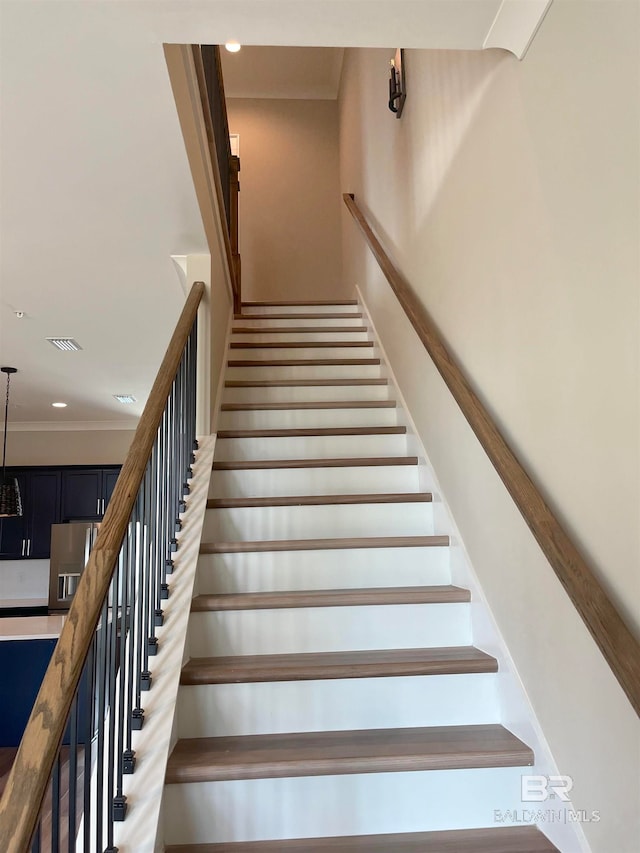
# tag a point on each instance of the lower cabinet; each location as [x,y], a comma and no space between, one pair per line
[23,664]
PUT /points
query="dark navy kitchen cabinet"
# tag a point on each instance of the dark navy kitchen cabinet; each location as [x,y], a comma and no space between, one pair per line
[86,492]
[12,530]
[23,664]
[29,535]
[109,483]
[41,511]
[51,495]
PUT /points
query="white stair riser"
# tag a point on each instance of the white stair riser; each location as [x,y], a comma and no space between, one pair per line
[305,393]
[312,447]
[317,629]
[306,807]
[320,371]
[350,568]
[250,322]
[346,480]
[303,352]
[312,522]
[337,334]
[306,418]
[334,308]
[218,710]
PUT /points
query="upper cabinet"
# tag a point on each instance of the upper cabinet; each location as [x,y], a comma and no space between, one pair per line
[50,496]
[86,493]
[29,535]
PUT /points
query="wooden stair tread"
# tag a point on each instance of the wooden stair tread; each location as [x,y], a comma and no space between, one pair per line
[340,752]
[319,404]
[270,330]
[320,500]
[504,839]
[298,344]
[442,594]
[312,666]
[299,303]
[302,362]
[300,383]
[339,462]
[309,432]
[325,315]
[324,544]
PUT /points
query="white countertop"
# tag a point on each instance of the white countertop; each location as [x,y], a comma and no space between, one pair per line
[31,627]
[23,602]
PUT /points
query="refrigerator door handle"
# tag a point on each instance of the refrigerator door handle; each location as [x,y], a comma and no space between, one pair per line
[87,545]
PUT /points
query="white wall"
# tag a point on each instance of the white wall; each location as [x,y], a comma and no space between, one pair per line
[508,196]
[68,447]
[289,198]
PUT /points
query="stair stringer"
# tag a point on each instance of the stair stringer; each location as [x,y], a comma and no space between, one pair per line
[555,817]
[142,830]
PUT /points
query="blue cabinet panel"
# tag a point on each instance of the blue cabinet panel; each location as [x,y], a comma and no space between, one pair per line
[23,664]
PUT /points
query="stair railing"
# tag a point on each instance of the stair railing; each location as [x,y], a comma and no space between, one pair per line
[211,84]
[604,622]
[67,782]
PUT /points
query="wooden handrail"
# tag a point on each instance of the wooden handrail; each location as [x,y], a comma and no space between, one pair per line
[617,643]
[27,783]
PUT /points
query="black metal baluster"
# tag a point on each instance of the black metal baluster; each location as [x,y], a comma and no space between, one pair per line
[35,844]
[133,710]
[123,715]
[55,805]
[193,351]
[73,771]
[170,462]
[160,524]
[117,809]
[89,728]
[149,643]
[181,455]
[139,637]
[194,382]
[156,546]
[172,473]
[101,654]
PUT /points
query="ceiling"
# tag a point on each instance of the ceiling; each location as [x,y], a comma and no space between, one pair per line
[96,193]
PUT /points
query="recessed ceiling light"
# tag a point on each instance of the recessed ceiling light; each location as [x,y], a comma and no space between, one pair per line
[59,405]
[125,398]
[233,46]
[65,344]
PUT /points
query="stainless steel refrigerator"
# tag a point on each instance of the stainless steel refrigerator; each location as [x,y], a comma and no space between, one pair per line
[70,547]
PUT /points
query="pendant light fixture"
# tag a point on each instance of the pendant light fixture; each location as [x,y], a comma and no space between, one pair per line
[10,503]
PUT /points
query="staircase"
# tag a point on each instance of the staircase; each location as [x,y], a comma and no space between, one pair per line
[333,699]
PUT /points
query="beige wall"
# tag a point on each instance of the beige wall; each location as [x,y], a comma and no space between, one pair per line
[68,447]
[289,198]
[508,196]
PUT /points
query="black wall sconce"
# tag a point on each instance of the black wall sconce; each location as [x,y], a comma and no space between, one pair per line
[397,86]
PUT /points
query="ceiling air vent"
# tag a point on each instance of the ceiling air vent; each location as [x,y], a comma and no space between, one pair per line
[125,398]
[65,344]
